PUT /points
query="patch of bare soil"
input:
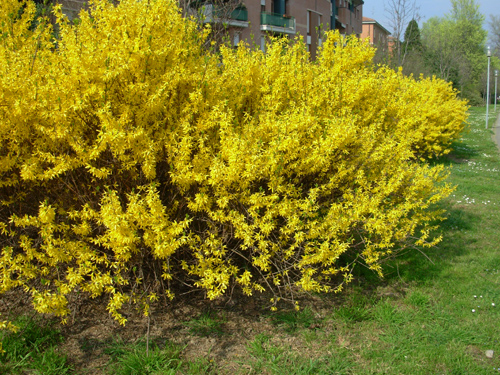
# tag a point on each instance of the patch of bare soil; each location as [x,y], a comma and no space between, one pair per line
[90,329]
[478,354]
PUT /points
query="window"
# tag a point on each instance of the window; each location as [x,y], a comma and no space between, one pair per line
[308,23]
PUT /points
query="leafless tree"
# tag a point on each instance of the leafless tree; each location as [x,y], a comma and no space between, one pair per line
[494,23]
[399,14]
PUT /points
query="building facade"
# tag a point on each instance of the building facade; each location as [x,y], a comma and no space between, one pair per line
[349,16]
[257,20]
[285,18]
[378,35]
[308,19]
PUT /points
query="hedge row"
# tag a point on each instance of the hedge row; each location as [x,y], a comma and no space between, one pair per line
[135,163]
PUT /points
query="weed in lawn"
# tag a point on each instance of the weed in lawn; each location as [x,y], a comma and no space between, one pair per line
[116,348]
[51,362]
[273,359]
[293,320]
[418,299]
[266,355]
[89,345]
[387,313]
[132,359]
[200,366]
[297,365]
[352,313]
[259,346]
[312,336]
[138,363]
[31,337]
[33,348]
[354,309]
[207,324]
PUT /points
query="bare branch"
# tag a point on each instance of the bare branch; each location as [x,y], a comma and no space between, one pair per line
[399,14]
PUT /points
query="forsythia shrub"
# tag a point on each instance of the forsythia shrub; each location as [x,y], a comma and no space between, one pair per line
[134,162]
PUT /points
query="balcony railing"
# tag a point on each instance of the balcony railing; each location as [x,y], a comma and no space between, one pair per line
[277,22]
[237,17]
[239,14]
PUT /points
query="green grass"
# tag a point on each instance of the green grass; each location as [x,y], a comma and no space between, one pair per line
[33,349]
[165,359]
[134,359]
[291,321]
[269,358]
[354,309]
[206,324]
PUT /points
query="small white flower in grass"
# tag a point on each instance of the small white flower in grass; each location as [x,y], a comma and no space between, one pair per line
[493,304]
[480,296]
[475,296]
[473,310]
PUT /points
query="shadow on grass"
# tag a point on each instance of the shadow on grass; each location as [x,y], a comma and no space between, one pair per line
[461,151]
[422,265]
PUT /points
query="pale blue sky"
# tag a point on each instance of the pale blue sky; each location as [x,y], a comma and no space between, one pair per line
[428,9]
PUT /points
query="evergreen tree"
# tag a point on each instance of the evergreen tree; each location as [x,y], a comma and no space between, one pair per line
[412,41]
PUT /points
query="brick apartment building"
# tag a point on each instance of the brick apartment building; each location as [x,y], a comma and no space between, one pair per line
[348,16]
[258,19]
[378,35]
[290,18]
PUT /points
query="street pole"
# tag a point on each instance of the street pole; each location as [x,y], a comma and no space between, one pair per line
[496,81]
[488,87]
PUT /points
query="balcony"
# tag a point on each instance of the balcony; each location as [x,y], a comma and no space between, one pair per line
[239,14]
[277,23]
[213,13]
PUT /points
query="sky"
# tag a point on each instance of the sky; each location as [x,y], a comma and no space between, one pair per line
[427,9]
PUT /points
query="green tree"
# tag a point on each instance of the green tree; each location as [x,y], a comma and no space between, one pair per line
[439,41]
[471,43]
[455,47]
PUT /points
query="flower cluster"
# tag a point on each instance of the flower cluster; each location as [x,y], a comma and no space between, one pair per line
[133,160]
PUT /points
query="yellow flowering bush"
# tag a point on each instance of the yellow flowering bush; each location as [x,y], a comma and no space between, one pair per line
[134,162]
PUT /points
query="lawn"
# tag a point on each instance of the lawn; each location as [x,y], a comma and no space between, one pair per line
[437,311]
